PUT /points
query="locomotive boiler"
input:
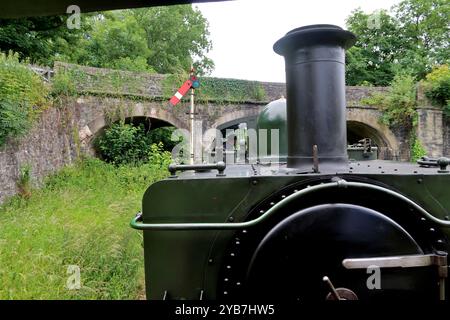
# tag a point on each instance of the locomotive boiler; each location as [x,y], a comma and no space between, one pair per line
[318,226]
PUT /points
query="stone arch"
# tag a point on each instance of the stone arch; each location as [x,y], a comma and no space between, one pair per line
[93,128]
[234,117]
[365,123]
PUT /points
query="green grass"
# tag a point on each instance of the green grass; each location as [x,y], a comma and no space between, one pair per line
[80,217]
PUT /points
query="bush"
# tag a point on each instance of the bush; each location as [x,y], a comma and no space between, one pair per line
[417,150]
[125,143]
[164,135]
[437,87]
[63,84]
[398,104]
[13,120]
[23,96]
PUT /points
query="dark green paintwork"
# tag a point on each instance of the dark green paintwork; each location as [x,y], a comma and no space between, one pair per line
[185,262]
[358,154]
[273,116]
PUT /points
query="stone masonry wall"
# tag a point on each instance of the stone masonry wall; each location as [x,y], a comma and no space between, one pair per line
[145,85]
[430,130]
[91,80]
[47,147]
[446,125]
[431,126]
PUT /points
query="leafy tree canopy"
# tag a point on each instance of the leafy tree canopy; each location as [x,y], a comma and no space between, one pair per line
[158,39]
[37,39]
[412,37]
[113,40]
[177,37]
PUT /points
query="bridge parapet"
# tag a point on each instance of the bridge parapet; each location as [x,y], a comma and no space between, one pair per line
[100,81]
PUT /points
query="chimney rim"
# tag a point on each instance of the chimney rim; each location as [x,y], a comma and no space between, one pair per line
[316,34]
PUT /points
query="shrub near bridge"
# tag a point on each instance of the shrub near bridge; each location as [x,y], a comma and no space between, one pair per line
[437,87]
[129,144]
[23,95]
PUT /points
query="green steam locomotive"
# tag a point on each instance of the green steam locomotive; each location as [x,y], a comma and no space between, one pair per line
[316,227]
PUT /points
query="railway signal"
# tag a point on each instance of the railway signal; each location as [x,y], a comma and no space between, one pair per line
[192,83]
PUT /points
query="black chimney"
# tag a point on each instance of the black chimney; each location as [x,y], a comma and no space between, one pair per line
[315,86]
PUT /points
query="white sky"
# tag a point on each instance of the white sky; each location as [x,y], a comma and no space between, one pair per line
[244,31]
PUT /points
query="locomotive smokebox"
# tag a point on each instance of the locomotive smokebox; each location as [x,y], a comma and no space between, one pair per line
[315,85]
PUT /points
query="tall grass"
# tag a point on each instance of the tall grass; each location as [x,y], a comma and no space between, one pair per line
[80,217]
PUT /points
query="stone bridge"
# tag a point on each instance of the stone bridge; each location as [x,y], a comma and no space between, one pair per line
[104,96]
[100,97]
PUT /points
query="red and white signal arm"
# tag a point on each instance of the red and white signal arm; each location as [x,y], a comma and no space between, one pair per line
[181,92]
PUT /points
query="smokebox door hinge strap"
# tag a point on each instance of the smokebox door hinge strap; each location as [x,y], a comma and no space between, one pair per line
[410,261]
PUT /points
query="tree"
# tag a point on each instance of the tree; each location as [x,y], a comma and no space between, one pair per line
[410,39]
[177,37]
[115,40]
[38,39]
[424,24]
[376,50]
[162,39]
